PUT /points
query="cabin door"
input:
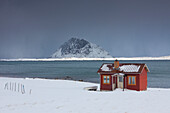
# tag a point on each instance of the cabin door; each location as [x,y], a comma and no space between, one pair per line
[120,81]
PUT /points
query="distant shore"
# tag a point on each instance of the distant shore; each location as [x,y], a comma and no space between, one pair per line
[88,59]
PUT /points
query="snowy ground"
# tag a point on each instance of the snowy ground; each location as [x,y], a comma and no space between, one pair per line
[62,96]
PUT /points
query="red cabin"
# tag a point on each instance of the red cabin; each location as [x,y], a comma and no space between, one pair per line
[125,75]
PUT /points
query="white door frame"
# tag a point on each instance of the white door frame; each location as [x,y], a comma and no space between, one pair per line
[113,84]
[118,75]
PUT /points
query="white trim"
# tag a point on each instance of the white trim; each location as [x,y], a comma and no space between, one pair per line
[121,74]
[145,66]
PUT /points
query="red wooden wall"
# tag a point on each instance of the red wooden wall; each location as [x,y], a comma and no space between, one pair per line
[105,86]
[143,80]
[133,87]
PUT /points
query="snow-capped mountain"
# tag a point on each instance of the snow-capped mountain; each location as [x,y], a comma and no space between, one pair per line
[80,48]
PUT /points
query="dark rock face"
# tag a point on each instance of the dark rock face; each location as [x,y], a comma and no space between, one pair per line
[74,46]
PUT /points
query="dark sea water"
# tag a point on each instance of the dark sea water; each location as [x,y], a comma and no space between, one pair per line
[159,75]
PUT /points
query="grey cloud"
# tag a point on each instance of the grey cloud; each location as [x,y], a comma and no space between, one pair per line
[36,28]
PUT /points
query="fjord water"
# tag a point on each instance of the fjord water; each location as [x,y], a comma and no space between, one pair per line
[159,75]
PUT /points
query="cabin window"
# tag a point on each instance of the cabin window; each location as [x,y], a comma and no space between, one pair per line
[106,79]
[131,80]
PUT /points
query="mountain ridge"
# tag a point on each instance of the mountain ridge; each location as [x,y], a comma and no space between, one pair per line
[80,48]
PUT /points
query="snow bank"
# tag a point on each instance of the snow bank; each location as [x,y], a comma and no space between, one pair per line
[62,96]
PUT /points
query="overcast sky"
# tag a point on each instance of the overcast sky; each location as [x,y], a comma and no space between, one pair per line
[36,28]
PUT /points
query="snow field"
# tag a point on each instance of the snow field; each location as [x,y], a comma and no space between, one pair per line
[63,96]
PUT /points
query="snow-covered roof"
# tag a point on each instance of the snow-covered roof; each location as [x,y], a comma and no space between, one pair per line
[105,67]
[124,68]
[129,68]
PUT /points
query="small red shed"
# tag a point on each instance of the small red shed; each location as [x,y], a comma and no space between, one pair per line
[125,75]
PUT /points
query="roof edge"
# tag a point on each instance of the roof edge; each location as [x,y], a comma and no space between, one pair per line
[147,69]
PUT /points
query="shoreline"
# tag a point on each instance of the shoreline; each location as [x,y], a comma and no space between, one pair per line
[38,78]
[88,59]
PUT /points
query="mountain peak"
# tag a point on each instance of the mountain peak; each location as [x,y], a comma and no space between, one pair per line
[80,48]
